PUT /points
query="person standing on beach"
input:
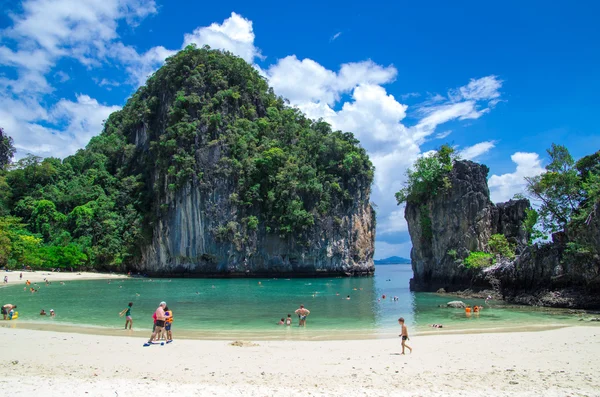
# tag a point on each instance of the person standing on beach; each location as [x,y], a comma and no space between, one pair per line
[404,335]
[302,313]
[160,321]
[168,324]
[127,313]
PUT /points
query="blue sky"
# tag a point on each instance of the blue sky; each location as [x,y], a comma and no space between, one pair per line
[501,82]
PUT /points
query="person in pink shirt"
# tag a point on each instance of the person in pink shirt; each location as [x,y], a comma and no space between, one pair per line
[159,322]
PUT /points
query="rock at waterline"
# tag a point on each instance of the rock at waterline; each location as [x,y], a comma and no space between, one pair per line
[456,304]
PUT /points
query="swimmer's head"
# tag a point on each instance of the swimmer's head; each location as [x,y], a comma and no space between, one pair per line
[301,306]
[401,320]
[130,304]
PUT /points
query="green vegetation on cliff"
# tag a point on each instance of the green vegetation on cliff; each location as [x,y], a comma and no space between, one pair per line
[428,176]
[97,207]
[569,197]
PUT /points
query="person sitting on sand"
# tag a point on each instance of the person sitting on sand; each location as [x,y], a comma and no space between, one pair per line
[43,312]
[302,313]
[288,320]
[437,325]
[404,334]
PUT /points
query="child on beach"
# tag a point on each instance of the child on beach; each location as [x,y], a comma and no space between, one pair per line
[127,313]
[288,320]
[404,335]
[168,324]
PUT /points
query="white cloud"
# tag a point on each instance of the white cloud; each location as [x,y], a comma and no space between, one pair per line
[377,118]
[303,81]
[80,121]
[472,152]
[47,30]
[84,119]
[42,34]
[504,187]
[485,88]
[235,34]
[335,36]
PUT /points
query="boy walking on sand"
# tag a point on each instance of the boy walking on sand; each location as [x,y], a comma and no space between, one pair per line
[404,334]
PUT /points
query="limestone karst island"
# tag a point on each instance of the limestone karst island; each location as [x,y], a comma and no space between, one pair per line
[307,199]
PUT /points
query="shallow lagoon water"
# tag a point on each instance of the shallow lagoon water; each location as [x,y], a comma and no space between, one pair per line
[252,307]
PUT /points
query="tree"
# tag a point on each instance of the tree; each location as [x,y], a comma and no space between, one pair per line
[428,175]
[7,149]
[559,189]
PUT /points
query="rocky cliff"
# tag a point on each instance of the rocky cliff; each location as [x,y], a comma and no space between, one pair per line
[447,226]
[236,183]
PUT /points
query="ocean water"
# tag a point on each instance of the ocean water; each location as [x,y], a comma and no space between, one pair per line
[215,308]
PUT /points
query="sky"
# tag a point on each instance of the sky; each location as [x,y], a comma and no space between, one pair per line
[499,81]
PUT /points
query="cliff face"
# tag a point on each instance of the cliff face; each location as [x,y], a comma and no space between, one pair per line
[236,183]
[449,225]
[184,241]
[446,227]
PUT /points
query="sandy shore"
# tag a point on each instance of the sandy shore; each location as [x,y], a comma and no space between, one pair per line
[39,276]
[561,362]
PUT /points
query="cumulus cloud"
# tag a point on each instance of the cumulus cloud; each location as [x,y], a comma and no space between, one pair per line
[48,30]
[504,187]
[377,118]
[235,34]
[80,120]
[472,152]
[306,81]
[42,34]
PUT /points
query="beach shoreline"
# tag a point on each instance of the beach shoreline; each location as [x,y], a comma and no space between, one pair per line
[550,363]
[279,334]
[38,276]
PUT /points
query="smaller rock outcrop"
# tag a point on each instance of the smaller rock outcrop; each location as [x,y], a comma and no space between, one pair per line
[449,225]
[456,304]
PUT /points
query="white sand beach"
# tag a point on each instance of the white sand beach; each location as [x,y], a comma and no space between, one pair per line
[38,276]
[560,362]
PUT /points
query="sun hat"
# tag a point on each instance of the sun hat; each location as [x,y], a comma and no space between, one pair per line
[163,303]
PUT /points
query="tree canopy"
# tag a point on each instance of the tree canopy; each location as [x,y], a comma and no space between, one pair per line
[428,175]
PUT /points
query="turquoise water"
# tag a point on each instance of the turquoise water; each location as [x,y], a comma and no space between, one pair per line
[207,307]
